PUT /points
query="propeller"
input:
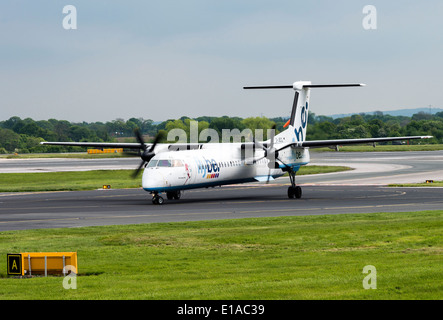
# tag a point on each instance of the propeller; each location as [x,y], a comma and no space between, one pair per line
[145,154]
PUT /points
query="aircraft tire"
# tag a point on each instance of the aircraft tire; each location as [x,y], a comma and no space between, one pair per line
[297,192]
[170,195]
[291,193]
[294,192]
[157,200]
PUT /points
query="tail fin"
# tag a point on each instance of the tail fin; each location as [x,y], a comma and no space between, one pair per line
[298,121]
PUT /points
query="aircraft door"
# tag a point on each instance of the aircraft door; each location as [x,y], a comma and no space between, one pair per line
[179,173]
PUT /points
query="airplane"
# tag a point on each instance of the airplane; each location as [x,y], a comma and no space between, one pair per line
[173,168]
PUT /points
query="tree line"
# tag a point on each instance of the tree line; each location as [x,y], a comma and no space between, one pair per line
[24,135]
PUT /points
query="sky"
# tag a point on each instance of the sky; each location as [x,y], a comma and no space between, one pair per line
[166,59]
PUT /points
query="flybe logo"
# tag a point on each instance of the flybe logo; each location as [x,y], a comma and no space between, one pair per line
[304,120]
[208,169]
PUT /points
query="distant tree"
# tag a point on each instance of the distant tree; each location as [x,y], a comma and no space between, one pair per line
[422,116]
[9,140]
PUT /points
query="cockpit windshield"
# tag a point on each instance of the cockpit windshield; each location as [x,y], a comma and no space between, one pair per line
[165,163]
[152,163]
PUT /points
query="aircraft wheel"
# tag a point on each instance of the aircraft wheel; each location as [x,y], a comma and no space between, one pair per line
[170,195]
[157,200]
[297,192]
[294,192]
[291,193]
[177,195]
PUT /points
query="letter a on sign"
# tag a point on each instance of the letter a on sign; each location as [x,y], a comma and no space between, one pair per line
[14,264]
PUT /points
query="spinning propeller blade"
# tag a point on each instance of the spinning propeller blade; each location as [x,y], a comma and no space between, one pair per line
[146,154]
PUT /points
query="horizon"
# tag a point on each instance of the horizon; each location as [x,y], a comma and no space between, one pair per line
[334,116]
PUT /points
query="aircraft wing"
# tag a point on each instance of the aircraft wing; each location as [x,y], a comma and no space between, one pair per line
[341,142]
[191,146]
[97,144]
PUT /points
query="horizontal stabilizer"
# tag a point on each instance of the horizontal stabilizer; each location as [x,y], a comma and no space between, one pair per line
[270,87]
[307,84]
[335,85]
[96,144]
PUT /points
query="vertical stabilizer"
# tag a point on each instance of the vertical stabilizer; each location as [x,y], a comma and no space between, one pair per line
[299,115]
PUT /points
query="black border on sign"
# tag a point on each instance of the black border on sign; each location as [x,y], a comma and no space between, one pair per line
[10,273]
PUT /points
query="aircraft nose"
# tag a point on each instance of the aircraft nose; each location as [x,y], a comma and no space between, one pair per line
[152,179]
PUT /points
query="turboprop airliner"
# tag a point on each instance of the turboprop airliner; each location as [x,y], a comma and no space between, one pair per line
[172,168]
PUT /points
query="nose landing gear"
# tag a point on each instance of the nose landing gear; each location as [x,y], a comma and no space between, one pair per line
[156,199]
[171,195]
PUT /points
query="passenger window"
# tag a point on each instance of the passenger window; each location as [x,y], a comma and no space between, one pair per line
[177,163]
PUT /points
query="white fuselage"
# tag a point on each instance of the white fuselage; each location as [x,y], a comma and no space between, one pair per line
[214,165]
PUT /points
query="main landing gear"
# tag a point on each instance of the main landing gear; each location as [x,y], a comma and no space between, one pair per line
[172,195]
[293,191]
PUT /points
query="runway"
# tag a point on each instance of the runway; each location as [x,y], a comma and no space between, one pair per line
[362,190]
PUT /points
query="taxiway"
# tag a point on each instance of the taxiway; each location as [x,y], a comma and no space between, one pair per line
[362,190]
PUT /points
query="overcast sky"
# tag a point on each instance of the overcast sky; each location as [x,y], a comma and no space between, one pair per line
[166,59]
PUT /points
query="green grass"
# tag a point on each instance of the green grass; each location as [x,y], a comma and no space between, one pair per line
[89,180]
[320,169]
[433,184]
[307,257]
[383,148]
[73,155]
[67,181]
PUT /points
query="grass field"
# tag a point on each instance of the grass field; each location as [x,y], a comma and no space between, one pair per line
[306,257]
[67,181]
[89,180]
[71,155]
[433,184]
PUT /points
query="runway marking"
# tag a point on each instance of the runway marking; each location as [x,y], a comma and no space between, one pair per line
[38,220]
[42,208]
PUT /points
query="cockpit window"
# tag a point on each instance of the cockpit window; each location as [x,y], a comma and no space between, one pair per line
[164,163]
[152,163]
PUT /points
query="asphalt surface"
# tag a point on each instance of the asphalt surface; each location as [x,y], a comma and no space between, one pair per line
[362,190]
